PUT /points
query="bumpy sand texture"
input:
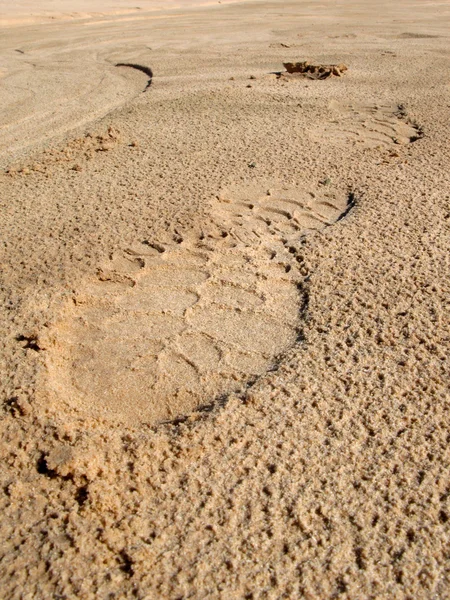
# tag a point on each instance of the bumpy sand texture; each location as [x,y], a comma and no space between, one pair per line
[224,303]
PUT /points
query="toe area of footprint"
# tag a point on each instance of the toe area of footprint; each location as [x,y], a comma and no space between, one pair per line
[161,331]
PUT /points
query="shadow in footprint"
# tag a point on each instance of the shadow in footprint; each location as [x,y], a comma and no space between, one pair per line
[146,70]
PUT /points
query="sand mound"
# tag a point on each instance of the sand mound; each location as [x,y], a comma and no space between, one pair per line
[47,93]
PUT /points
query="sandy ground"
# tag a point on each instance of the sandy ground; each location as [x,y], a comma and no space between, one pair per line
[225,329]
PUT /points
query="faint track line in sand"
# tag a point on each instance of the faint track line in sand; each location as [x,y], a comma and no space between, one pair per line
[168,328]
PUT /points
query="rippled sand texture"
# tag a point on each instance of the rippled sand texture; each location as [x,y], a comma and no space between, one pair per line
[224,301]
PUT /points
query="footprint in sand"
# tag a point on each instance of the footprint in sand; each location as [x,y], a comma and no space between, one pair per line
[369,125]
[165,329]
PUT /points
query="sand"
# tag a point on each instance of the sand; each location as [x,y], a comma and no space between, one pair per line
[224,314]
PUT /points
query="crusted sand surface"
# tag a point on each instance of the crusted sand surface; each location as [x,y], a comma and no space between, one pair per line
[224,302]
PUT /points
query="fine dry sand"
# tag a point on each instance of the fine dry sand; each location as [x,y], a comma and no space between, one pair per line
[224,312]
